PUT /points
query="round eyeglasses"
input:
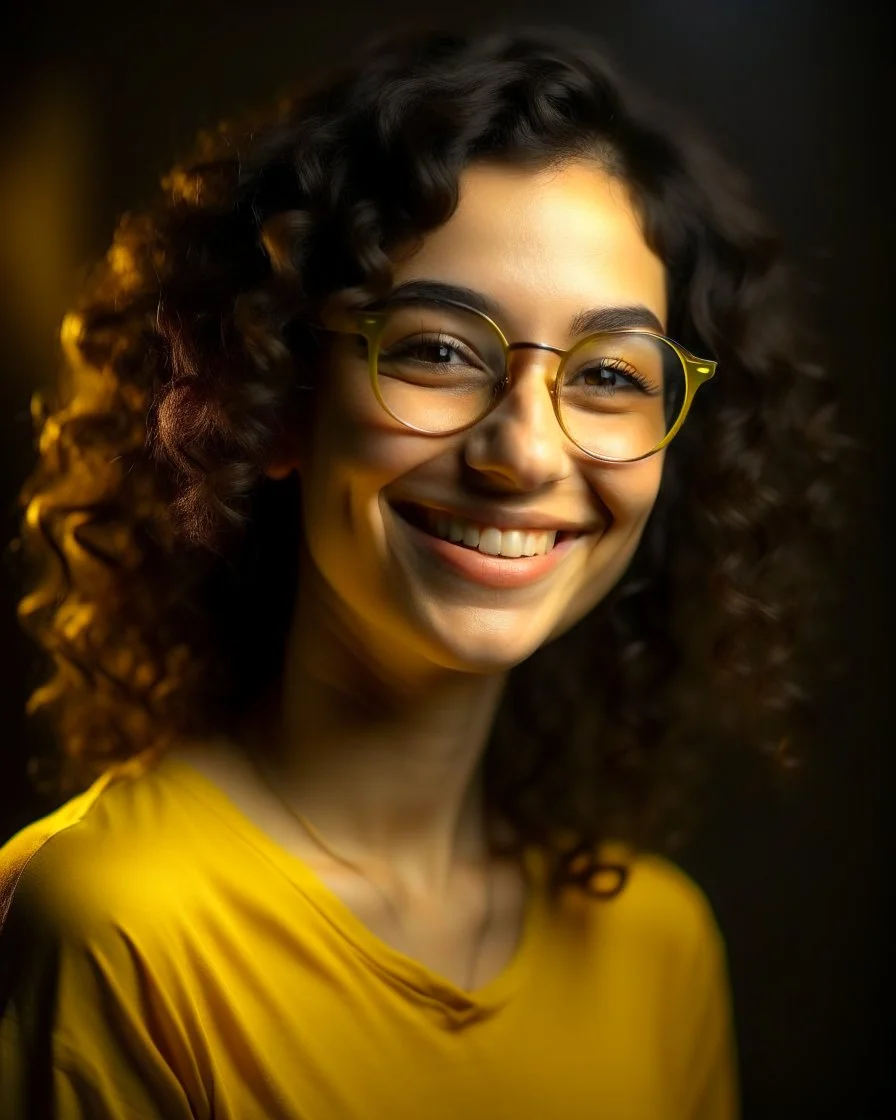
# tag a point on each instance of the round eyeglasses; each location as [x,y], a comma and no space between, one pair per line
[438,368]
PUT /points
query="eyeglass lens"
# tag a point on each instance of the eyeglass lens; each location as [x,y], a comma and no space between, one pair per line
[439,369]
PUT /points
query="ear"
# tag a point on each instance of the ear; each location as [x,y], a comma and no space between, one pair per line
[281,468]
[285,454]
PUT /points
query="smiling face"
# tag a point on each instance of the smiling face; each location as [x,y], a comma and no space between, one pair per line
[541,247]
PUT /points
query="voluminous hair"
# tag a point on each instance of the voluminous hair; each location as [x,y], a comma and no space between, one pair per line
[163,560]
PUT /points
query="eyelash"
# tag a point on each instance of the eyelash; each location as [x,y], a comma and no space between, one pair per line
[436,340]
[624,368]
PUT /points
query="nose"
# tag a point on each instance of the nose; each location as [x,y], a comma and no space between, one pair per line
[520,443]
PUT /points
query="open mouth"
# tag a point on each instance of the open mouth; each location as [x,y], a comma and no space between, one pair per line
[486,539]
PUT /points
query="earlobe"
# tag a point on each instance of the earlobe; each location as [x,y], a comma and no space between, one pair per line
[280,469]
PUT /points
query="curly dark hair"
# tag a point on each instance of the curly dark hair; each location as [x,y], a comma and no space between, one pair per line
[163,558]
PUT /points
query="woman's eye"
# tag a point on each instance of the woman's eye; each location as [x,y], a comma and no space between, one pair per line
[613,376]
[434,352]
[431,351]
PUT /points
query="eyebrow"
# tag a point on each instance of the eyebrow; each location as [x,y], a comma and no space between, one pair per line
[589,320]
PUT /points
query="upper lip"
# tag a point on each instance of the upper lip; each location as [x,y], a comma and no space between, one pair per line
[503,519]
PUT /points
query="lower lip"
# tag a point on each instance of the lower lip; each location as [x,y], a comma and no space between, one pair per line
[492,571]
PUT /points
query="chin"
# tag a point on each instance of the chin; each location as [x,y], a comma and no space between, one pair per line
[481,650]
[490,662]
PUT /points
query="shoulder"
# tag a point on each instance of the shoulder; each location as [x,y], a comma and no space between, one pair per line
[87,942]
[97,908]
[39,861]
[107,855]
[661,905]
[55,922]
[666,891]
[659,943]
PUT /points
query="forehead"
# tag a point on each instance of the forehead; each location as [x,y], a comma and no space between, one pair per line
[543,244]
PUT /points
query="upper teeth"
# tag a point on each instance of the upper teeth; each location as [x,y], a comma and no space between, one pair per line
[492,541]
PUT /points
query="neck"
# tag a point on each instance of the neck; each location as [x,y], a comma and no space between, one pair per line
[385,764]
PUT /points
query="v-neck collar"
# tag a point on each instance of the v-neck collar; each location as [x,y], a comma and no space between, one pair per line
[420,981]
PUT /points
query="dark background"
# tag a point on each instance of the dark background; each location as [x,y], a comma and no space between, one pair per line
[100,100]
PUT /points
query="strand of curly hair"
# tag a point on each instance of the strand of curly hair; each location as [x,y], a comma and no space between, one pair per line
[162,559]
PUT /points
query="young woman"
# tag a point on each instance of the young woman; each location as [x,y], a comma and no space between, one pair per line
[436,475]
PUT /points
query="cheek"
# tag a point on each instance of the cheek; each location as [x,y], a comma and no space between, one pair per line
[354,436]
[629,490]
[356,450]
[627,493]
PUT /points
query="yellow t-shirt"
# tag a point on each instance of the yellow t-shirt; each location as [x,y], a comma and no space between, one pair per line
[161,956]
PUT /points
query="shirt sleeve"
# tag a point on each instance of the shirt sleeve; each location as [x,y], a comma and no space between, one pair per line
[83,1031]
